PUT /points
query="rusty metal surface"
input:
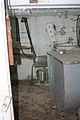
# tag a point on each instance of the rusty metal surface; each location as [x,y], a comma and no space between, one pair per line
[27,56]
[33,1]
[70,56]
[23,47]
[9,38]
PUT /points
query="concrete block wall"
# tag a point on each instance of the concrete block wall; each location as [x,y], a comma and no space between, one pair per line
[41,38]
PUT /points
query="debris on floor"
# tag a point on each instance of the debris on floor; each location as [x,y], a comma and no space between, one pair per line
[35,103]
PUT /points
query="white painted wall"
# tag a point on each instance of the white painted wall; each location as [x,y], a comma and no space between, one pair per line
[24,70]
[5,85]
[41,37]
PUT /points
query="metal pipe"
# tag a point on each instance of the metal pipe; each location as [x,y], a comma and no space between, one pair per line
[9,39]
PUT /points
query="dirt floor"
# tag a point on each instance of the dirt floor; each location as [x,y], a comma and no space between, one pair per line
[35,103]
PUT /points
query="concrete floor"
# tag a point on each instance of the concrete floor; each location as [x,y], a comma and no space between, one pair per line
[35,103]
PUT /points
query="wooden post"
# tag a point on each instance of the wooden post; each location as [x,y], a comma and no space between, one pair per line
[9,38]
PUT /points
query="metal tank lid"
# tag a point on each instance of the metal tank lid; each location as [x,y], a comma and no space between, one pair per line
[67,56]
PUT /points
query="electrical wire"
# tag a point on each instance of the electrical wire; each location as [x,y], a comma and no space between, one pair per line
[18,38]
[24,19]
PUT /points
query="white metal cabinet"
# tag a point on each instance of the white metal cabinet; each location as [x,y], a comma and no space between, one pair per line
[44,3]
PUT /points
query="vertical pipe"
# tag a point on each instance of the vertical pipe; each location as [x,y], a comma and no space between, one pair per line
[9,38]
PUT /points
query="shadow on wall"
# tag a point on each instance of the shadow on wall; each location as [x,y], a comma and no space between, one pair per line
[14,85]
